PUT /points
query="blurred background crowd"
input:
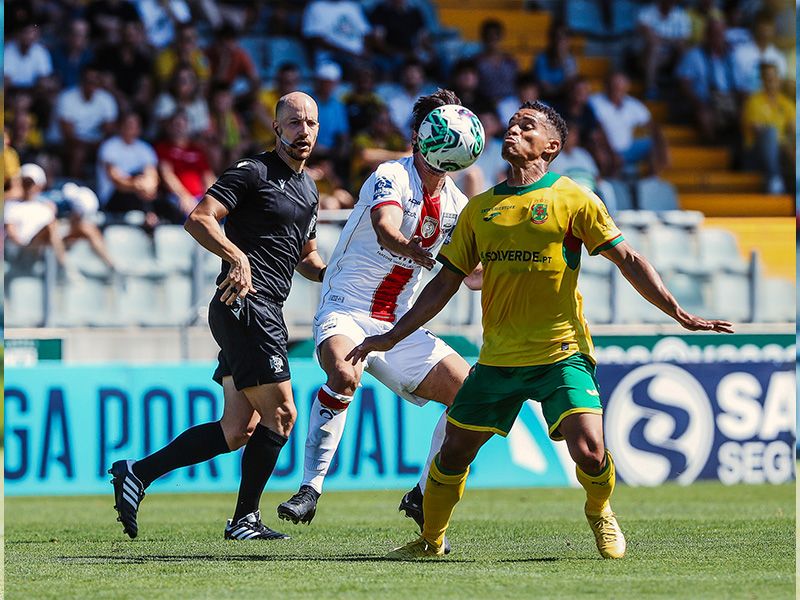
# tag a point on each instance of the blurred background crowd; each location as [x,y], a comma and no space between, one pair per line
[122,112]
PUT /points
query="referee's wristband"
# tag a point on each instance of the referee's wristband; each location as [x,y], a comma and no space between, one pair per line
[321,275]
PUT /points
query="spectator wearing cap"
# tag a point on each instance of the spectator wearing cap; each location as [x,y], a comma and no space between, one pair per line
[664,28]
[82,206]
[399,34]
[30,223]
[337,30]
[555,67]
[710,84]
[183,166]
[25,60]
[620,115]
[184,94]
[127,175]
[334,131]
[768,125]
[287,80]
[72,54]
[497,70]
[184,51]
[84,115]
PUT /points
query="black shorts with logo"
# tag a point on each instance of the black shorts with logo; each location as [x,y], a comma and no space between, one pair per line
[253,338]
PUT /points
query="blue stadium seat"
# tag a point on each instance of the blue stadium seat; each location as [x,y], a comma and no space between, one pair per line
[140,301]
[719,251]
[178,299]
[730,296]
[622,194]
[776,301]
[656,194]
[87,301]
[256,49]
[175,249]
[675,248]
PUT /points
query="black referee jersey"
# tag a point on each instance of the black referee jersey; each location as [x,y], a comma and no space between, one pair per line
[272,214]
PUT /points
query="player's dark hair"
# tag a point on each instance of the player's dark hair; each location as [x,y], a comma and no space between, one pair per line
[425,104]
[554,119]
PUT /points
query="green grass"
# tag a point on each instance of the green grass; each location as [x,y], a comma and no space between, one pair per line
[704,541]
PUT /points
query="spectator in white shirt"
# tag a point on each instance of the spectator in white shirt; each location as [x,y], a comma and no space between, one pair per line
[665,29]
[84,115]
[748,57]
[337,30]
[25,60]
[127,175]
[184,94]
[620,115]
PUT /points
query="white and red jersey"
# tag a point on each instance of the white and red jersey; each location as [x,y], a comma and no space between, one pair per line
[365,277]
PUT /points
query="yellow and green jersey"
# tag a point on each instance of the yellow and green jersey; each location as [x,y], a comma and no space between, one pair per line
[529,242]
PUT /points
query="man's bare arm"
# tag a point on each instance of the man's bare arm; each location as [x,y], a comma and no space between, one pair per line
[311,265]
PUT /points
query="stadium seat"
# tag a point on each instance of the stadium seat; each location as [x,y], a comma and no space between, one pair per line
[641,220]
[301,305]
[87,301]
[24,303]
[656,194]
[630,307]
[131,250]
[690,219]
[675,249]
[776,302]
[740,205]
[596,292]
[327,238]
[622,194]
[719,251]
[140,301]
[178,299]
[86,260]
[730,296]
[175,249]
[689,289]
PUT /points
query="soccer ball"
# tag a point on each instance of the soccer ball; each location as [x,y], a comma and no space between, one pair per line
[450,138]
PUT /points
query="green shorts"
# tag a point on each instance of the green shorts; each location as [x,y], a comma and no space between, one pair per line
[491,397]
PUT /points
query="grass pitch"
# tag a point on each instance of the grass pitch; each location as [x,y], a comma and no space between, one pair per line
[704,541]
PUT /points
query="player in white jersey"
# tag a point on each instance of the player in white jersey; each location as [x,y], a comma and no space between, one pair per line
[405,212]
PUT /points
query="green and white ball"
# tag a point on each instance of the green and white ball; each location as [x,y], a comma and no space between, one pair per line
[451,138]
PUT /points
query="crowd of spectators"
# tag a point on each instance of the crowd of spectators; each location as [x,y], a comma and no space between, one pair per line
[146,101]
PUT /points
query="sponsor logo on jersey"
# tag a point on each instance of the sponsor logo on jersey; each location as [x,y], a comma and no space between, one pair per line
[539,214]
[336,298]
[429,225]
[331,322]
[535,256]
[383,187]
[276,363]
[492,215]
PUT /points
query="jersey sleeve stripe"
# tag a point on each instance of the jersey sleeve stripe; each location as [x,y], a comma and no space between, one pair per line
[449,265]
[384,203]
[608,244]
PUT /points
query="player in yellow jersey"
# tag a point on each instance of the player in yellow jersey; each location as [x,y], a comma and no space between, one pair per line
[527,232]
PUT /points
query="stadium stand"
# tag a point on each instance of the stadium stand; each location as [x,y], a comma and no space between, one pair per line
[721,241]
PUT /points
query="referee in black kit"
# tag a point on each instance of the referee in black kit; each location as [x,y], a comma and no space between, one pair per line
[271,209]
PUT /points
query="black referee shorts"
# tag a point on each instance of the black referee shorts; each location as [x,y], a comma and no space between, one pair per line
[253,338]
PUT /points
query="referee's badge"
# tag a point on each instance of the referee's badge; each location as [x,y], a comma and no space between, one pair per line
[276,362]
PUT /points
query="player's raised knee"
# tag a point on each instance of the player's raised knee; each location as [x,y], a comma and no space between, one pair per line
[343,378]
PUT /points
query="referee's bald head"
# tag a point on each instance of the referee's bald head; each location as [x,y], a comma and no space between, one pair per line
[296,101]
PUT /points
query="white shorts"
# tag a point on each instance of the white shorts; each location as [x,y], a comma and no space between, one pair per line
[402,368]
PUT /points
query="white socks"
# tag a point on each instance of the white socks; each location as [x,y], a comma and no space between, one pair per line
[325,429]
[436,444]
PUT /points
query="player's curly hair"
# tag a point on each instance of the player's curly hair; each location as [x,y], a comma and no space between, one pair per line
[553,118]
[425,104]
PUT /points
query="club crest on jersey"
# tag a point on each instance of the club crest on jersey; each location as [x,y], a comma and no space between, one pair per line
[428,227]
[539,213]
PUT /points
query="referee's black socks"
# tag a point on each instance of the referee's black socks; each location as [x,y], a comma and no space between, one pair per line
[258,461]
[195,445]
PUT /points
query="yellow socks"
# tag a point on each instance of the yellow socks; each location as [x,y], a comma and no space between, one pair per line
[598,487]
[442,493]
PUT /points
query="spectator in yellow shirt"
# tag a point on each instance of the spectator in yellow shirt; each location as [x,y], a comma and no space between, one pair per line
[184,51]
[287,80]
[768,127]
